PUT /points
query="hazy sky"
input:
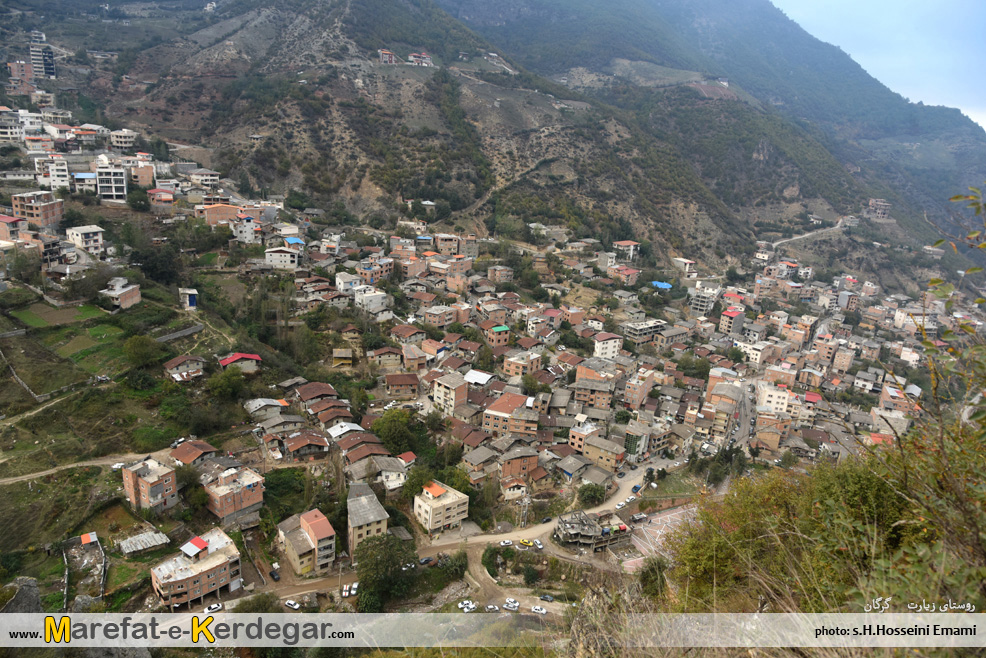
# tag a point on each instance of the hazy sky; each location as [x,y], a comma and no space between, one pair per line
[926,50]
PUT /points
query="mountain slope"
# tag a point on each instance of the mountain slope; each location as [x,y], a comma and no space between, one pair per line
[925,153]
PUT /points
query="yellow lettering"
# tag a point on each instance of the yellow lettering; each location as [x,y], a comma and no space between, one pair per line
[56,633]
[202,628]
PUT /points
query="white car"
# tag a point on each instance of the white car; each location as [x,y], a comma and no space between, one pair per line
[512,607]
[677,463]
[538,545]
[512,602]
[506,542]
[630,499]
[492,608]
[464,604]
[620,505]
[470,608]
[538,609]
[345,591]
[352,591]
[409,565]
[215,607]
[294,605]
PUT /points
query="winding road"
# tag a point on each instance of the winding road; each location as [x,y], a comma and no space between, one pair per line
[837,227]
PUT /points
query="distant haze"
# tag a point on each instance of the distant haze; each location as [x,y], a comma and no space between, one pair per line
[926,50]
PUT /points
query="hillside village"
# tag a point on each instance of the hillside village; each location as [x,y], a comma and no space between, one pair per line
[557,398]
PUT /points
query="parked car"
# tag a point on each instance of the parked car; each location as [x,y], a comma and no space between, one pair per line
[636,488]
[621,474]
[538,545]
[469,608]
[546,519]
[506,542]
[630,499]
[352,591]
[512,607]
[408,566]
[215,607]
[274,575]
[538,609]
[464,603]
[426,560]
[620,505]
[294,605]
[512,602]
[547,597]
[526,542]
[633,467]
[345,591]
[492,608]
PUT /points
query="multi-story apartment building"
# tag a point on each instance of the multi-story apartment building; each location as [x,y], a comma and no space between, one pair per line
[638,387]
[449,391]
[604,453]
[496,418]
[39,208]
[581,430]
[123,139]
[496,334]
[447,244]
[111,182]
[235,493]
[206,564]
[606,345]
[366,516]
[149,484]
[439,316]
[282,258]
[642,331]
[440,507]
[500,274]
[87,238]
[521,364]
[518,463]
[309,542]
[731,321]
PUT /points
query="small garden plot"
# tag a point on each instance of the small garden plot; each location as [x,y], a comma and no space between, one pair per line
[43,315]
[43,370]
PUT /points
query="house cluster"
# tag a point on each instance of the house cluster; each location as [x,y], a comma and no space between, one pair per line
[413,59]
[24,74]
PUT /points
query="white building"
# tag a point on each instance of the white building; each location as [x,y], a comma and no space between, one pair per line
[347,283]
[282,258]
[371,299]
[111,182]
[204,177]
[124,139]
[87,238]
[606,345]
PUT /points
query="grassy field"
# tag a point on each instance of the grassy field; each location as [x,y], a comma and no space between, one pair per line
[46,509]
[675,484]
[42,315]
[43,370]
[207,260]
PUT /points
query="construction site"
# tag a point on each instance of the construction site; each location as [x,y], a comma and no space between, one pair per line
[580,530]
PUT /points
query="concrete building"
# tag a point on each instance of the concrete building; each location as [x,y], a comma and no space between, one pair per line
[124,139]
[236,493]
[149,484]
[367,517]
[440,507]
[87,238]
[450,391]
[282,258]
[39,208]
[206,564]
[111,183]
[604,453]
[606,345]
[121,292]
[308,541]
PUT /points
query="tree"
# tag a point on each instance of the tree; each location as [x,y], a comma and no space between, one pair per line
[623,417]
[393,430]
[138,200]
[531,575]
[789,459]
[141,351]
[592,494]
[651,576]
[435,422]
[754,453]
[226,384]
[379,560]
[186,476]
[417,478]
[735,355]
